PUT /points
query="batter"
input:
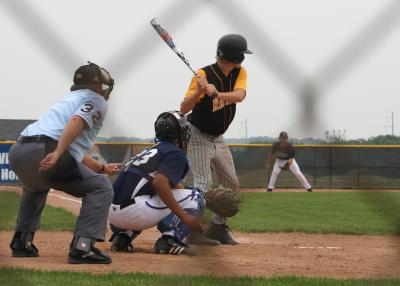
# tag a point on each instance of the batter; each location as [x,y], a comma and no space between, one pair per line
[212,99]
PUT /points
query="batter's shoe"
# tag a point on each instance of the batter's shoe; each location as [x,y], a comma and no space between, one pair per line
[197,237]
[167,244]
[121,242]
[220,232]
[82,251]
[309,190]
[22,246]
[269,190]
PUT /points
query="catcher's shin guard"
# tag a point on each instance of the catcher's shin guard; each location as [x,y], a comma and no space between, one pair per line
[220,232]
[22,246]
[82,251]
[172,225]
[167,244]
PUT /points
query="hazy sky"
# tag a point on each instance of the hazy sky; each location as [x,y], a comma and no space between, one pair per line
[37,66]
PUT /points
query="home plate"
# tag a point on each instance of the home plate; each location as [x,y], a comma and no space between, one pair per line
[317,247]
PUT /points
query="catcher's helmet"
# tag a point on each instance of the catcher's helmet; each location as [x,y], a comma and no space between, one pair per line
[91,73]
[172,126]
[232,47]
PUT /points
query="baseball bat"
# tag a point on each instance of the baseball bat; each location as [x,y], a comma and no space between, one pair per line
[170,42]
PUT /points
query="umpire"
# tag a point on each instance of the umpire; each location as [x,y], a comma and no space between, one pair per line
[212,98]
[53,153]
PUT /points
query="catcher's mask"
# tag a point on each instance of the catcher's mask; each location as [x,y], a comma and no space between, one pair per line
[172,126]
[90,74]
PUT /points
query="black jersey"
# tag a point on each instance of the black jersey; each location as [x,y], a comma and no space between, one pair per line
[213,116]
[284,153]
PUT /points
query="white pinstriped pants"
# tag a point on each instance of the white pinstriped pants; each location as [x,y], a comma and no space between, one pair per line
[208,153]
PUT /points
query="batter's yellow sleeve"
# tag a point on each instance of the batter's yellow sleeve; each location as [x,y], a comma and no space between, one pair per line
[193,84]
[241,81]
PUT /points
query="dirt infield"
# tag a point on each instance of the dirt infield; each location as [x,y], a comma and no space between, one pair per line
[263,254]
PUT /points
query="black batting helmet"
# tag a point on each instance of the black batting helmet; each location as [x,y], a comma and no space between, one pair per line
[232,47]
[172,126]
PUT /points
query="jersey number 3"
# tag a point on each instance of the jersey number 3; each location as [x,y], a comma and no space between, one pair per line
[144,157]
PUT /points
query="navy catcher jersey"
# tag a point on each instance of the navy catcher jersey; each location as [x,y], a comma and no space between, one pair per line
[136,179]
[284,153]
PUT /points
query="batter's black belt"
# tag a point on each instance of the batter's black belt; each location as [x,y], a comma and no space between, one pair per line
[35,139]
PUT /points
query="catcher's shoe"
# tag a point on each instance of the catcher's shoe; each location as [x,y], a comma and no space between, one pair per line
[167,244]
[196,237]
[269,190]
[220,232]
[121,242]
[309,190]
[22,246]
[82,251]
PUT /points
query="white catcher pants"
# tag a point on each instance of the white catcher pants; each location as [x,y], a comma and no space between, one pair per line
[148,211]
[294,168]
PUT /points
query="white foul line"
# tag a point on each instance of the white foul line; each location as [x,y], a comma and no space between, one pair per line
[65,198]
[317,247]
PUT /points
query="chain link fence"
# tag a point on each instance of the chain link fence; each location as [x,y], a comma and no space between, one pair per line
[325,166]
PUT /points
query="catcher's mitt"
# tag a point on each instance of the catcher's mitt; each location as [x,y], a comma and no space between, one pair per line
[223,201]
[285,167]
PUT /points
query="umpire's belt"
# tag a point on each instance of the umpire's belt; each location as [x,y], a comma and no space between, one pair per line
[35,139]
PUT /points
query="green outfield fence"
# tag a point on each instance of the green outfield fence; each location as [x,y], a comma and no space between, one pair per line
[325,166]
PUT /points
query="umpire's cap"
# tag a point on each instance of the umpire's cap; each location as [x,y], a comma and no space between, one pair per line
[232,47]
[283,135]
[92,74]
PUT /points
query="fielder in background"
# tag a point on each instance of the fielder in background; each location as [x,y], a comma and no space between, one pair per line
[284,153]
[53,153]
[212,99]
[148,192]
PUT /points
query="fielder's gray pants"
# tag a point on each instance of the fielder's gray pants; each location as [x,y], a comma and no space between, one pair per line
[208,153]
[94,189]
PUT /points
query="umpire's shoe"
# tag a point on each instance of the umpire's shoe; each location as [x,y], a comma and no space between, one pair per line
[82,251]
[220,232]
[22,246]
[197,237]
[167,244]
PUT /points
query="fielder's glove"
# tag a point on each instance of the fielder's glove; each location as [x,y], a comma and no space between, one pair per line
[223,201]
[285,167]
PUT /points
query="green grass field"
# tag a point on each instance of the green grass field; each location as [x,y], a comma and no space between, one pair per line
[342,213]
[14,277]
[346,213]
[52,218]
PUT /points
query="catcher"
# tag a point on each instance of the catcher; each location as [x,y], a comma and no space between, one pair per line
[148,192]
[284,153]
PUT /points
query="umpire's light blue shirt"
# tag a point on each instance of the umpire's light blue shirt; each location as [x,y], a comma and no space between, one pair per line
[84,103]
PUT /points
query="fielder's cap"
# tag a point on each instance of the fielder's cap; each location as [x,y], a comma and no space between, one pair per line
[87,74]
[283,135]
